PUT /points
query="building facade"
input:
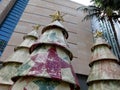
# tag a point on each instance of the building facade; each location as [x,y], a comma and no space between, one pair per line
[18,16]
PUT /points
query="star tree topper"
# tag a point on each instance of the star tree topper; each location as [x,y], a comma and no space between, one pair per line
[98,34]
[36,27]
[57,16]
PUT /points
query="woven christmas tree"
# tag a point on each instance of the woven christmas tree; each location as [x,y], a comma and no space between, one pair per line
[20,55]
[48,67]
[105,68]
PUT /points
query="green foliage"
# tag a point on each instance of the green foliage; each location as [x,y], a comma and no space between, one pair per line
[113,4]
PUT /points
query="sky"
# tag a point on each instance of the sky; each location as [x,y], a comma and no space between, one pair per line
[84,2]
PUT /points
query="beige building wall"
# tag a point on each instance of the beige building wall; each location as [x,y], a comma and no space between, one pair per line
[80,35]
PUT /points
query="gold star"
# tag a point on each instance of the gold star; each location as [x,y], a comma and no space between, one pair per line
[57,16]
[98,34]
[36,27]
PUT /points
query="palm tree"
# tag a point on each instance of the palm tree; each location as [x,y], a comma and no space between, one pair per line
[103,9]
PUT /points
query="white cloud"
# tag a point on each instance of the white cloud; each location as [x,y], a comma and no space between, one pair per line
[84,2]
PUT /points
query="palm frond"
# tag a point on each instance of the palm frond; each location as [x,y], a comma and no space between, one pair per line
[90,16]
[89,9]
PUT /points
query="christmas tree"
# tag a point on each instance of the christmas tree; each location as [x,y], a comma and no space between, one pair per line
[48,67]
[105,69]
[20,55]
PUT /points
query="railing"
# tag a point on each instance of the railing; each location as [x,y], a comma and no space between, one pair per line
[109,36]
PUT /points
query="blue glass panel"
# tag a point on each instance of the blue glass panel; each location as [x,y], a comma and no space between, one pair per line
[5,33]
[9,24]
[3,38]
